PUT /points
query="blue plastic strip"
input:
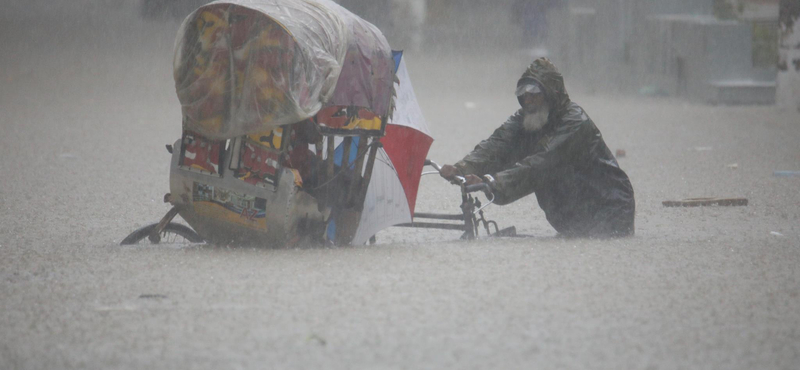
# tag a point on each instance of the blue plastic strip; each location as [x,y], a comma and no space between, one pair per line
[337,155]
[397,55]
[331,231]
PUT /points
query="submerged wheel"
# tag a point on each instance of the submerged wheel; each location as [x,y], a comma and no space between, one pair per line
[173,233]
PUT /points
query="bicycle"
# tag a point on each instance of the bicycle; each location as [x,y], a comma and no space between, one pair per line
[471,216]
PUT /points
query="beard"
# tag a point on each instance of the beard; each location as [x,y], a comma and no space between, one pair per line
[535,121]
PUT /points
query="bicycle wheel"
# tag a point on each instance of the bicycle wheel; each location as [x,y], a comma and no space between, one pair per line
[172,234]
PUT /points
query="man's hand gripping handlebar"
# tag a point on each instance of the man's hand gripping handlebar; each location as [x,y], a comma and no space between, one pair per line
[469,183]
[471,207]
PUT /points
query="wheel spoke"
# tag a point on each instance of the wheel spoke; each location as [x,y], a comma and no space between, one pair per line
[172,234]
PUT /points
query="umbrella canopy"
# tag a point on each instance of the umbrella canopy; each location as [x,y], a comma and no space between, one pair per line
[392,192]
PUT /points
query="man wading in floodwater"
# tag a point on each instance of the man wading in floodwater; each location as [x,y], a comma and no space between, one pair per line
[552,148]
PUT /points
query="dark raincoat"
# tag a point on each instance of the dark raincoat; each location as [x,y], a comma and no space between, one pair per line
[577,181]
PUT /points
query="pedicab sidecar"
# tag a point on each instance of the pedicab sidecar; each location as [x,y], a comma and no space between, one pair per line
[285,105]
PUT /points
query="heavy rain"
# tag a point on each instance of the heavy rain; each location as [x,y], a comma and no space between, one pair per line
[697,100]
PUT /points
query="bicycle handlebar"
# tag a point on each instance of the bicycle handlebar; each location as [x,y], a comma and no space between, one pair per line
[461,181]
[433,164]
[484,187]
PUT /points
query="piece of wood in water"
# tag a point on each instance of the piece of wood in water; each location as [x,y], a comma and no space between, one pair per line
[706,202]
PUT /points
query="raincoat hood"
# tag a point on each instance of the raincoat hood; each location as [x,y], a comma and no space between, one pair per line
[545,74]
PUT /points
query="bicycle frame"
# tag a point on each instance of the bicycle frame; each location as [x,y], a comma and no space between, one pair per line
[471,216]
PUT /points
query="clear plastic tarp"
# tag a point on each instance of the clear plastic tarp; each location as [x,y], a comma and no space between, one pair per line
[247,66]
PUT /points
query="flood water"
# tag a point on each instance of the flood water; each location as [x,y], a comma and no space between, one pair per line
[87,103]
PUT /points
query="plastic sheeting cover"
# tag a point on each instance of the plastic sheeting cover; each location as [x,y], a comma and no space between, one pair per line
[247,66]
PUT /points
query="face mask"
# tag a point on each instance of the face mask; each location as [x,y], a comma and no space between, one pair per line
[535,121]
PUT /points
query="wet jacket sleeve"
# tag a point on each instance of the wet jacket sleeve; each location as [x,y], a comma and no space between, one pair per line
[492,155]
[565,145]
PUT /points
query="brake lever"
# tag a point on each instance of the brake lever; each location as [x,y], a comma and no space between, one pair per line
[491,200]
[487,191]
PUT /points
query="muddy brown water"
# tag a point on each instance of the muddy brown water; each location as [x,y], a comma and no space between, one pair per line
[85,111]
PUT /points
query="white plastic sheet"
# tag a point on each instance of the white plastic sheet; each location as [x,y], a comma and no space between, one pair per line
[248,66]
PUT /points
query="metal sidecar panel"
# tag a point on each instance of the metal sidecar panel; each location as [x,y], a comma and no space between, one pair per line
[224,209]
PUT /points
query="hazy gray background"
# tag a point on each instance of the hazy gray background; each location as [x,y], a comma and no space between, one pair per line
[87,103]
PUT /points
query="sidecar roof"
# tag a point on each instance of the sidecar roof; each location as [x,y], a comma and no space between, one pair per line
[247,66]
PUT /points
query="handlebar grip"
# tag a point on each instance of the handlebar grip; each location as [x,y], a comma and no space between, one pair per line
[484,187]
[433,164]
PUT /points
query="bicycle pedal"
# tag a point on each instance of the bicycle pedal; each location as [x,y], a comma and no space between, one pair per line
[509,231]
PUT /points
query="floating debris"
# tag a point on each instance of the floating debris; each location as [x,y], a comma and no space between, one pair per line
[317,339]
[152,296]
[705,202]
